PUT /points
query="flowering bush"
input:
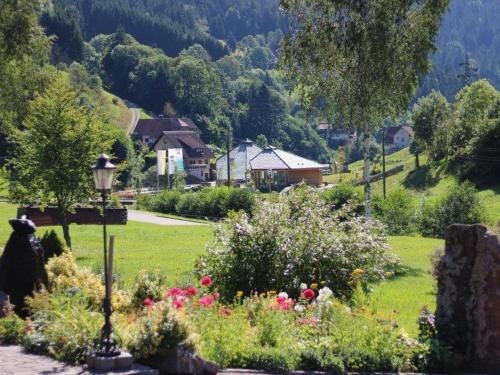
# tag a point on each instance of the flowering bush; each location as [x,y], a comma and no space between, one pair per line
[296,238]
[148,284]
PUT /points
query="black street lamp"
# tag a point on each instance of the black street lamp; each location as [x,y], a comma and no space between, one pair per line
[103,172]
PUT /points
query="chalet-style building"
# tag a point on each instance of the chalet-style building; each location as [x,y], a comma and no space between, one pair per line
[398,137]
[239,159]
[195,153]
[279,168]
[149,130]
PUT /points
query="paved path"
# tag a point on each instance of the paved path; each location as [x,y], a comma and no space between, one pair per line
[14,361]
[136,115]
[151,218]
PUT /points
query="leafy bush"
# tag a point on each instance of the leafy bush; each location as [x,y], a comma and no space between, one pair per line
[145,202]
[190,204]
[12,329]
[298,237]
[62,326]
[461,205]
[166,201]
[158,331]
[148,284]
[52,245]
[341,195]
[397,212]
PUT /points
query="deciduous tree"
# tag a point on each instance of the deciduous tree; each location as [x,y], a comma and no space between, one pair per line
[60,143]
[363,56]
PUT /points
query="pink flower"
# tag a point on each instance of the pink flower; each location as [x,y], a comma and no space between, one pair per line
[191,291]
[206,301]
[148,302]
[216,295]
[206,281]
[173,292]
[313,321]
[280,300]
[308,293]
[178,302]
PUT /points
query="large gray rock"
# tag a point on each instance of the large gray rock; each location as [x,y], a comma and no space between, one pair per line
[468,300]
[179,361]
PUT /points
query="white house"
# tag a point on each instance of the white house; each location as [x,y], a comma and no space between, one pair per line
[398,137]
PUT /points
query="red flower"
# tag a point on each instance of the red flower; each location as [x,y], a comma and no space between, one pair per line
[206,281]
[206,301]
[178,302]
[173,292]
[148,302]
[308,293]
[312,321]
[191,291]
[226,312]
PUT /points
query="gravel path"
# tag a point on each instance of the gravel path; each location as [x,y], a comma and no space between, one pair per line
[151,218]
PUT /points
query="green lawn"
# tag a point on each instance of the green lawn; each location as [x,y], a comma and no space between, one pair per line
[173,250]
[403,297]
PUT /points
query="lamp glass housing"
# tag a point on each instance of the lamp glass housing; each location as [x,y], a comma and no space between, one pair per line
[103,172]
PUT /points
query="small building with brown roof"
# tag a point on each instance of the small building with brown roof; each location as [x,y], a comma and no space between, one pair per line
[279,168]
[149,130]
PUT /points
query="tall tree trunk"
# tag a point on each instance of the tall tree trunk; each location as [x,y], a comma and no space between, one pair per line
[63,220]
[366,171]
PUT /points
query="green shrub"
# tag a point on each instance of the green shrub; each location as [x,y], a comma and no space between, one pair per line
[270,359]
[296,239]
[62,326]
[341,195]
[321,359]
[158,331]
[398,212]
[12,330]
[115,202]
[148,284]
[145,202]
[166,201]
[190,204]
[52,245]
[461,205]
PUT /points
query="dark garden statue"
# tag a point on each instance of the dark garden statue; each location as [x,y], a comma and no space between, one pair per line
[22,268]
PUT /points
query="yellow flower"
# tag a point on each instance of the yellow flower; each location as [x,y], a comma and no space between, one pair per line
[357,272]
[314,286]
[322,282]
[271,293]
[239,293]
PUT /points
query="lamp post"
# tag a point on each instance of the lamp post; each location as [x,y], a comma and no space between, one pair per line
[103,171]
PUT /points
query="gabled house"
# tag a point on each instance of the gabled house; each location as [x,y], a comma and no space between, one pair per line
[195,153]
[149,130]
[398,137]
[239,159]
[280,168]
[338,134]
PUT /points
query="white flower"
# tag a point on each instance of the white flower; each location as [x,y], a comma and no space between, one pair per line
[324,294]
[303,286]
[283,294]
[299,308]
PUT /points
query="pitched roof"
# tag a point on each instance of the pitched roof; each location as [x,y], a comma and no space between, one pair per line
[189,141]
[391,132]
[153,128]
[240,157]
[272,158]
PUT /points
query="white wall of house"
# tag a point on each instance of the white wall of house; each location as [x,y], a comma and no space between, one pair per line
[402,139]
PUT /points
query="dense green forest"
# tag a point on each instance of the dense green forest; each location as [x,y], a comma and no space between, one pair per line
[214,61]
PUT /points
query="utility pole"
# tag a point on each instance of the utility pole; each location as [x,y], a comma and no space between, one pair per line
[228,150]
[383,161]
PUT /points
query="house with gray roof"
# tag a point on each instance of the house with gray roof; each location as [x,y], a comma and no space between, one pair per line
[278,168]
[239,161]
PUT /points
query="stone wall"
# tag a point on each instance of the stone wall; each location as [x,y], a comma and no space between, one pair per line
[468,300]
